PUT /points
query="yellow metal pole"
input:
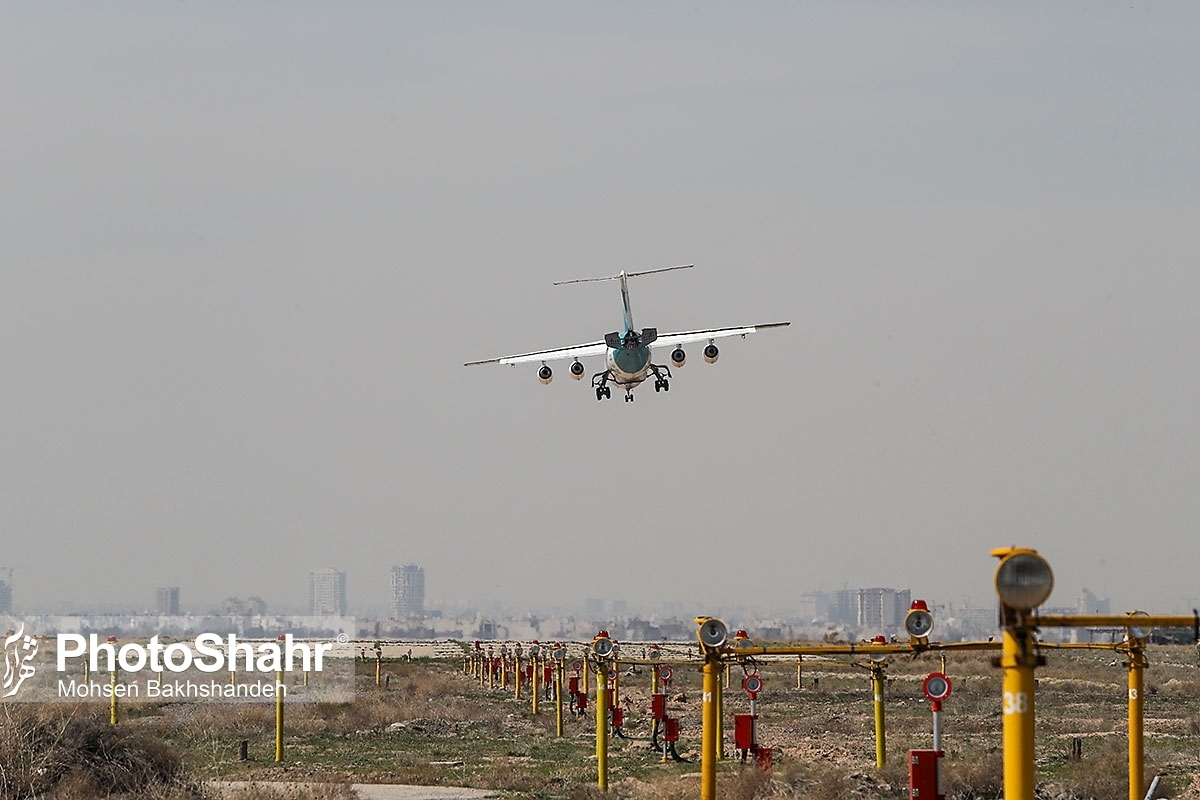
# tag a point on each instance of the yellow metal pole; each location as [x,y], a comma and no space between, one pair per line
[87,677]
[1137,766]
[379,669]
[708,736]
[491,673]
[719,705]
[112,703]
[503,672]
[535,685]
[800,671]
[517,678]
[880,731]
[279,690]
[585,679]
[1018,659]
[616,683]
[601,730]
[558,708]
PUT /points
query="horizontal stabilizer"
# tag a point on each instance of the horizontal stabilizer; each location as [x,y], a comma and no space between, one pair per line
[620,275]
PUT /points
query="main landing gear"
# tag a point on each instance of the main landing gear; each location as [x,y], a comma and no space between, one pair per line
[600,384]
[662,375]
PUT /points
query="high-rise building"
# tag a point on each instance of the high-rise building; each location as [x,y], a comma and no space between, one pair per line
[6,591]
[408,591]
[843,609]
[167,600]
[327,592]
[882,609]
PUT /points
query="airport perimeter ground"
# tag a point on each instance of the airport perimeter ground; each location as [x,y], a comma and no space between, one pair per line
[435,726]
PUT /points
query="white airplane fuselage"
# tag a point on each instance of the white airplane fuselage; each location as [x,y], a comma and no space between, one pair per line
[629,367]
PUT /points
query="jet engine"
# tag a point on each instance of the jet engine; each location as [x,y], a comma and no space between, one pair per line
[545,374]
[576,369]
[710,354]
[678,357]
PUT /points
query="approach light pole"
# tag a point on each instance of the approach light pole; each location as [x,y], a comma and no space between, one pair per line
[1023,582]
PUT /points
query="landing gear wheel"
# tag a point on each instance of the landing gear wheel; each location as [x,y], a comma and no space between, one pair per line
[666,386]
[599,392]
[658,386]
[607,393]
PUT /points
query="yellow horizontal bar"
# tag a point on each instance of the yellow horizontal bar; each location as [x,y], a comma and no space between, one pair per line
[1113,621]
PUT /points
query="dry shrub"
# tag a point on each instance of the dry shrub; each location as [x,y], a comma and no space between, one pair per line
[748,784]
[1102,775]
[817,779]
[975,778]
[47,753]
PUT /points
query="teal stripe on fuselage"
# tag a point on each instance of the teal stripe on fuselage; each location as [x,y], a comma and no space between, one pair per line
[631,361]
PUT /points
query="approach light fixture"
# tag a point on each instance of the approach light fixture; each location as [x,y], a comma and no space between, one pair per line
[918,623]
[713,633]
[1023,578]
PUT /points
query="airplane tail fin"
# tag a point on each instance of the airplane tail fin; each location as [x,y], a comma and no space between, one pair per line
[624,275]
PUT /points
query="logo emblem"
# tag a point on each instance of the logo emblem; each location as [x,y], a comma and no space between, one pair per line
[19,652]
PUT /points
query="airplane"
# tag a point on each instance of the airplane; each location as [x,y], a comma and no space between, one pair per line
[627,353]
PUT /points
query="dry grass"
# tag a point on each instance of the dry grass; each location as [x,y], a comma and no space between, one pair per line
[433,714]
[51,754]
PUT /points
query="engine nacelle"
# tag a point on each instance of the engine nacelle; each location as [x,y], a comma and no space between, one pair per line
[678,357]
[710,354]
[577,370]
[545,374]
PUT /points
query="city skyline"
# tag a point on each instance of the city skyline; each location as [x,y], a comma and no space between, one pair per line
[844,605]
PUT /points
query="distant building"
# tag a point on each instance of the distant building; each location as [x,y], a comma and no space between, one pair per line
[250,607]
[843,609]
[882,609]
[6,591]
[408,592]
[327,592]
[167,601]
[813,606]
[1091,604]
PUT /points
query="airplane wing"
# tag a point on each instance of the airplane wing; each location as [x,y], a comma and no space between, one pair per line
[683,337]
[575,351]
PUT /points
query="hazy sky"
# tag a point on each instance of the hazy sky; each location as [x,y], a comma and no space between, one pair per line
[246,248]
